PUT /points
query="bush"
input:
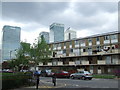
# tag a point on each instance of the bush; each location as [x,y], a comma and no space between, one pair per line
[15,80]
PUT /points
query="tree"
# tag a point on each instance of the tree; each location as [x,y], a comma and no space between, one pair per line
[23,55]
[42,51]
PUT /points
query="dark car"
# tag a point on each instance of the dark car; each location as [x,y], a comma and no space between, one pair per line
[46,73]
[82,75]
[60,74]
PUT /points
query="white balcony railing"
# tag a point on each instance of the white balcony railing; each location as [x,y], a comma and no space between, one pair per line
[85,62]
[60,63]
[101,62]
[71,63]
[49,63]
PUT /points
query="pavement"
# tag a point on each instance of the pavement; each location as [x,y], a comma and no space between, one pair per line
[46,82]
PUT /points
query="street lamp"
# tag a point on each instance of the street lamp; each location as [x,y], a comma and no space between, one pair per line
[10,54]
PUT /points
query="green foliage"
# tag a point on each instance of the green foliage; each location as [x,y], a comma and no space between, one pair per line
[104,76]
[10,80]
[23,55]
[42,51]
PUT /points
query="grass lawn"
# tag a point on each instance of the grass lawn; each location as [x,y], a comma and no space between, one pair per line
[104,76]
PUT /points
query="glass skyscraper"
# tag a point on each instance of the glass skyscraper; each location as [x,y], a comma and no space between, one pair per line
[45,35]
[56,32]
[10,41]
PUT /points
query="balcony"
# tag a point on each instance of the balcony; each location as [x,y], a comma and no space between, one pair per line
[106,41]
[90,44]
[114,40]
[84,53]
[40,64]
[70,46]
[77,45]
[98,42]
[101,62]
[60,63]
[72,54]
[49,63]
[59,48]
[71,63]
[115,51]
[64,47]
[59,55]
[85,62]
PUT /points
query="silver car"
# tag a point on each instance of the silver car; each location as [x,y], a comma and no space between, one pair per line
[82,75]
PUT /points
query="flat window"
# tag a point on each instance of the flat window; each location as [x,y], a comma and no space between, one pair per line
[89,40]
[76,42]
[106,37]
[97,39]
[64,51]
[113,37]
[70,43]
[84,50]
[71,50]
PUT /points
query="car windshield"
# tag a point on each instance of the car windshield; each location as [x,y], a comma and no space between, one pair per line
[65,72]
[86,72]
[48,71]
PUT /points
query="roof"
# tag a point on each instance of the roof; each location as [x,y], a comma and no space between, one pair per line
[102,34]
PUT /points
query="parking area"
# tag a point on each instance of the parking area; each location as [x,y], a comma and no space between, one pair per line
[46,82]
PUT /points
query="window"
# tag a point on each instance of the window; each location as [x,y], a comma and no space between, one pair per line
[82,42]
[97,39]
[76,42]
[89,40]
[106,37]
[64,51]
[71,50]
[59,45]
[98,48]
[64,44]
[84,50]
[54,46]
[113,37]
[99,57]
[70,43]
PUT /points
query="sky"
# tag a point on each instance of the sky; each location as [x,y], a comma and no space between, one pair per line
[86,18]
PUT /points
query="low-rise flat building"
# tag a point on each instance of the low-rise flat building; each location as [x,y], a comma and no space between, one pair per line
[99,54]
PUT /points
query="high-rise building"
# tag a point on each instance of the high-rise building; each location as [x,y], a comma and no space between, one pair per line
[56,32]
[45,35]
[70,34]
[10,41]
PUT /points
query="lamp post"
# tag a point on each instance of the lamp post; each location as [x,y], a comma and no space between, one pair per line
[10,54]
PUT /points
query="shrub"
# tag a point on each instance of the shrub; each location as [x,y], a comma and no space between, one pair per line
[15,80]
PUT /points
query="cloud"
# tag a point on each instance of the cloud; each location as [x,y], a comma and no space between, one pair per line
[88,17]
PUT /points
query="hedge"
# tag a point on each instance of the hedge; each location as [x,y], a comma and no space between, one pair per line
[15,80]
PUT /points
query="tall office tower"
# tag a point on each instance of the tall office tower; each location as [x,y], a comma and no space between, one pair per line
[45,35]
[56,32]
[10,42]
[70,34]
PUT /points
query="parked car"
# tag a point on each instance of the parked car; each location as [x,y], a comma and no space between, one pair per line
[82,75]
[7,71]
[46,73]
[62,74]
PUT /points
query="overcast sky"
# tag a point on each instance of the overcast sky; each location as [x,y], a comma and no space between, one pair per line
[87,18]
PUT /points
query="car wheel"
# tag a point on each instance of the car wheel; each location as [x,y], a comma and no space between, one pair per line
[83,78]
[72,77]
[90,78]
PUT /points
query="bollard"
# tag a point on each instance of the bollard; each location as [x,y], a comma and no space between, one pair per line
[37,83]
[54,80]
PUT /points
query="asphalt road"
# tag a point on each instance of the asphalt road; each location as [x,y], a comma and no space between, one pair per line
[46,82]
